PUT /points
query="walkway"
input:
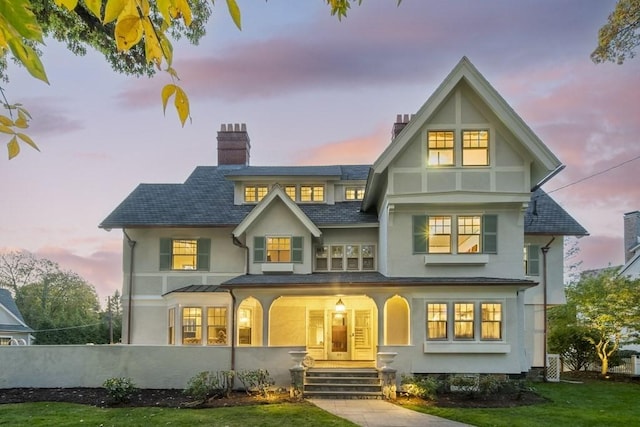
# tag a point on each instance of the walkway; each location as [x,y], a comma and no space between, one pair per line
[380,413]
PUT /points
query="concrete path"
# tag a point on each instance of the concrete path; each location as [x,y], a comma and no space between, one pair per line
[379,413]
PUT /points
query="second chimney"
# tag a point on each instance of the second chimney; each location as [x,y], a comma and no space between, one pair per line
[401,122]
[233,145]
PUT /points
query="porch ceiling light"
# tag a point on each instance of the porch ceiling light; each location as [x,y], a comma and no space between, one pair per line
[340,306]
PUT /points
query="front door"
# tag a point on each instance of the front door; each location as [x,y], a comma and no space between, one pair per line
[339,344]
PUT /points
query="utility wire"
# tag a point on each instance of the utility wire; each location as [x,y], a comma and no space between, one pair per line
[68,327]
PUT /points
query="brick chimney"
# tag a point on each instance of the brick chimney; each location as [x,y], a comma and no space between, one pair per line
[233,145]
[631,233]
[401,122]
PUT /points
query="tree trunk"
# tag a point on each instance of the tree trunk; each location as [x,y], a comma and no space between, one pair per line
[605,365]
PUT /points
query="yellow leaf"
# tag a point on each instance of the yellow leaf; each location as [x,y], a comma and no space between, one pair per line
[167,48]
[182,105]
[22,123]
[69,4]
[22,112]
[144,6]
[113,9]
[29,58]
[6,129]
[173,73]
[152,49]
[94,7]
[182,9]
[128,31]
[28,140]
[6,121]
[234,11]
[13,147]
[167,92]
[164,6]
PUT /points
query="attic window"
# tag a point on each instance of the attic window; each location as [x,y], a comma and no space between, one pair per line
[312,193]
[440,148]
[255,193]
[475,148]
[354,193]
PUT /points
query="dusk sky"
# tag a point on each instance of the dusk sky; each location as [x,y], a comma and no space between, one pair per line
[313,90]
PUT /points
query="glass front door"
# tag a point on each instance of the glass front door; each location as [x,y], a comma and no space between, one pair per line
[339,344]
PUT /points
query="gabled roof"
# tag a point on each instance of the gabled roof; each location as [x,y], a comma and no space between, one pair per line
[467,72]
[206,199]
[545,216]
[7,302]
[276,193]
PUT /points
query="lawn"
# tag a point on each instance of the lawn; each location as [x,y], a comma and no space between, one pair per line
[70,414]
[592,403]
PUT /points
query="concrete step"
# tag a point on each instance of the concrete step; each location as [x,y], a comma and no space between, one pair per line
[340,383]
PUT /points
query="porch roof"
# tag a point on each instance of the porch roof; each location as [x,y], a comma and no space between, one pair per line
[196,288]
[365,278]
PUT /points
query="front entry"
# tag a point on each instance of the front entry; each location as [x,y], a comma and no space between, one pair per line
[339,340]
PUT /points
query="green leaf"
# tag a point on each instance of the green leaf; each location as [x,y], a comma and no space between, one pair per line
[28,57]
[94,7]
[28,140]
[17,15]
[13,147]
[164,6]
[234,11]
[167,92]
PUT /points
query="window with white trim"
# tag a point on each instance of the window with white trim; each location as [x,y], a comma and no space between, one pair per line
[469,234]
[185,254]
[466,325]
[290,190]
[255,193]
[439,234]
[440,148]
[192,325]
[475,148]
[274,249]
[354,193]
[5,340]
[217,325]
[312,193]
[348,257]
[491,326]
[463,320]
[532,260]
[437,321]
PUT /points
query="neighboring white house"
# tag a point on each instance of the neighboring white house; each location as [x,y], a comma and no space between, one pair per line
[444,250]
[631,267]
[13,329]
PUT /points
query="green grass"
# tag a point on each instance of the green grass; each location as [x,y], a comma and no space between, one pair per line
[593,403]
[68,414]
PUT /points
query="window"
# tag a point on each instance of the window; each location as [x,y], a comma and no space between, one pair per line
[463,321]
[439,234]
[468,234]
[185,254]
[217,325]
[436,321]
[5,340]
[290,190]
[368,257]
[491,328]
[172,326]
[532,260]
[277,249]
[245,322]
[311,193]
[337,262]
[354,193]
[475,234]
[191,325]
[353,257]
[322,258]
[316,329]
[362,329]
[440,148]
[475,148]
[255,193]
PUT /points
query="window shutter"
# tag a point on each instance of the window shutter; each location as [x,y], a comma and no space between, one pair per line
[490,234]
[259,249]
[165,254]
[420,237]
[533,260]
[296,248]
[204,254]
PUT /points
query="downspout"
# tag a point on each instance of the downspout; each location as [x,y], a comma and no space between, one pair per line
[239,244]
[544,250]
[132,245]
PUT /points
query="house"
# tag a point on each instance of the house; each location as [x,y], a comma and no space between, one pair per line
[13,329]
[444,251]
[631,267]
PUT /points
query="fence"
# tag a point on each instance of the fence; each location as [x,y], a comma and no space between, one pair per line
[629,366]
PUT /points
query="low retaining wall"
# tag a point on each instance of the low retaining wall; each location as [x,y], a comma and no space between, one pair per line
[148,366]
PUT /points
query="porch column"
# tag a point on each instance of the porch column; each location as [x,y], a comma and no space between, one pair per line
[265,301]
[380,300]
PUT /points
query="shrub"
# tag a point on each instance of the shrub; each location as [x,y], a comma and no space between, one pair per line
[468,384]
[421,386]
[256,380]
[120,389]
[208,384]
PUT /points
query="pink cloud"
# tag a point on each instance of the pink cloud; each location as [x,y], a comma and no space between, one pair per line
[359,150]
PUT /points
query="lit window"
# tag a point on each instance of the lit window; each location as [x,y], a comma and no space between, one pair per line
[172,326]
[463,321]
[311,193]
[475,148]
[354,193]
[491,321]
[255,193]
[191,325]
[217,325]
[290,190]
[5,341]
[436,321]
[440,234]
[185,254]
[440,148]
[278,249]
[468,234]
[245,323]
